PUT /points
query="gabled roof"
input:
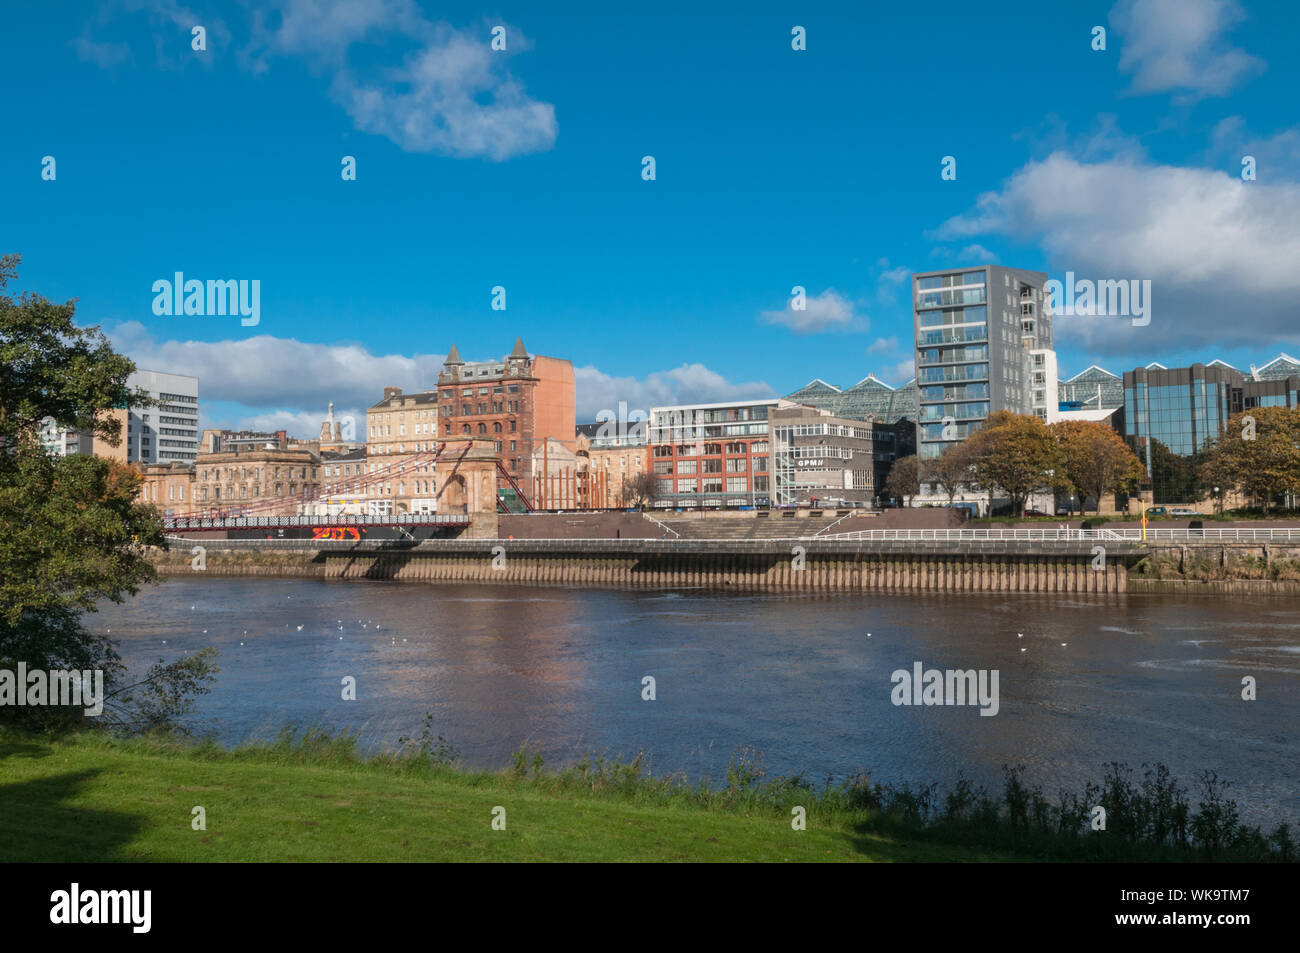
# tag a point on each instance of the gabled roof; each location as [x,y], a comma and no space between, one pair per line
[1284,365]
[1156,364]
[1090,369]
[1221,364]
[871,381]
[817,385]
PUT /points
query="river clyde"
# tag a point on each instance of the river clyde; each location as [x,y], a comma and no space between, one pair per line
[806,680]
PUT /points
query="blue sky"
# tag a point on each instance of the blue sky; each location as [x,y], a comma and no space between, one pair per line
[775,168]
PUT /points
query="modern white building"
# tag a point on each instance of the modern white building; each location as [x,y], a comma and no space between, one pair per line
[169,431]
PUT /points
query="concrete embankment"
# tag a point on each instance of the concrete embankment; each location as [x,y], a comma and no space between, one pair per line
[743,565]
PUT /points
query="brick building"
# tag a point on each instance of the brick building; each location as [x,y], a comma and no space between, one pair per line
[517,402]
[712,455]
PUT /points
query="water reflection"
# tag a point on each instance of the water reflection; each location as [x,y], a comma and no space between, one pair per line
[1084,680]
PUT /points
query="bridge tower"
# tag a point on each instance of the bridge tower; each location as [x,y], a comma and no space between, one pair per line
[466,476]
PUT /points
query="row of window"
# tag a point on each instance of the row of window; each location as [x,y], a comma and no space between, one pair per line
[714,485]
[201,493]
[495,407]
[448,394]
[254,472]
[709,449]
[733,465]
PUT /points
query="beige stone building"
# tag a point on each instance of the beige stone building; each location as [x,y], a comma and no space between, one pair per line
[611,460]
[168,486]
[401,437]
[265,482]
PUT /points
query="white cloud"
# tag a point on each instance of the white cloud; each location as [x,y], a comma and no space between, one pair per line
[171,24]
[902,372]
[284,383]
[828,311]
[425,85]
[883,345]
[1220,252]
[268,373]
[976,255]
[451,94]
[690,383]
[1181,45]
[1275,157]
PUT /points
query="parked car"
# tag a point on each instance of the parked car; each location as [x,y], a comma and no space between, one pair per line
[1157,511]
[1062,511]
[1034,513]
[1185,511]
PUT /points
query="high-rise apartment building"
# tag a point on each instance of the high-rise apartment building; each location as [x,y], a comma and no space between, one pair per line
[167,432]
[983,343]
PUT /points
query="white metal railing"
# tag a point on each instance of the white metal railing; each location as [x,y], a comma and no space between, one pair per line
[661,525]
[1126,534]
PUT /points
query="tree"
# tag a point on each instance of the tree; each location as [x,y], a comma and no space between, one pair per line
[1095,460]
[1258,453]
[950,471]
[71,531]
[1016,454]
[904,479]
[639,489]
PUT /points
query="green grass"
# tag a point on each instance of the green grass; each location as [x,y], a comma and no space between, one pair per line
[95,798]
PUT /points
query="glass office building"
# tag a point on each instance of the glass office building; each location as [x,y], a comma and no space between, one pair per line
[1172,414]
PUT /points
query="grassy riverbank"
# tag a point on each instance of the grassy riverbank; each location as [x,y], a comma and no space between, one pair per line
[93,798]
[311,797]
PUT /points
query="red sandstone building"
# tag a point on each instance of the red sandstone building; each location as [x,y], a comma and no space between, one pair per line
[517,402]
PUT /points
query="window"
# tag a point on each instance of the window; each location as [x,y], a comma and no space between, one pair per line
[737,484]
[737,465]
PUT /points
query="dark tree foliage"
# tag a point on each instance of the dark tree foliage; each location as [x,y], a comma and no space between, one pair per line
[71,531]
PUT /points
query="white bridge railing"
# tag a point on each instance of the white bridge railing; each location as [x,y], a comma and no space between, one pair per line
[244,522]
[1127,534]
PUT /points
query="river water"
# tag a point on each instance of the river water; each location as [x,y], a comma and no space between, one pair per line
[805,680]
